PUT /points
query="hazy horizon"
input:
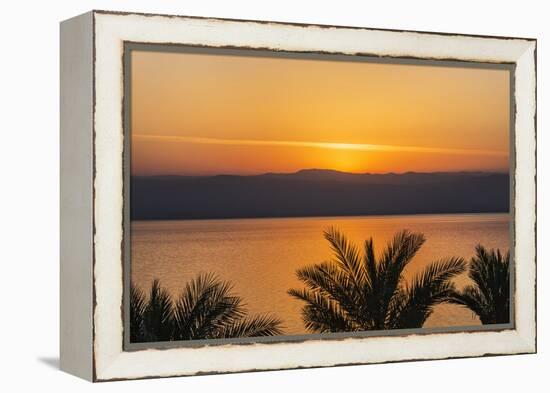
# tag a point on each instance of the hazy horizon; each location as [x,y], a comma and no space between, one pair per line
[496,171]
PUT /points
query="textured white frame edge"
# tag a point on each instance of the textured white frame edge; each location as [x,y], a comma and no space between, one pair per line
[92,195]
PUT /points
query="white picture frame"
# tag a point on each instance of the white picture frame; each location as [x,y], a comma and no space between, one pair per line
[92,195]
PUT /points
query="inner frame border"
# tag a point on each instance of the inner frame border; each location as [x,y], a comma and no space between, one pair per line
[129,46]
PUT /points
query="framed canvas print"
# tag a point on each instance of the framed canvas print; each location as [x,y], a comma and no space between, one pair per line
[245,195]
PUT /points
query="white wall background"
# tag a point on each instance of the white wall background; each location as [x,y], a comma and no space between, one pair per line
[29,184]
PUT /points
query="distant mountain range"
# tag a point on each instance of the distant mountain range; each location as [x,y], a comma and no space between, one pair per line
[317,192]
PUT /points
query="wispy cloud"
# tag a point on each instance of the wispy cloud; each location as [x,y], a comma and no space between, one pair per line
[322,145]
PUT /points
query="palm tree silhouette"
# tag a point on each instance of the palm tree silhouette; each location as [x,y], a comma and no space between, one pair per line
[489,295]
[205,309]
[354,292]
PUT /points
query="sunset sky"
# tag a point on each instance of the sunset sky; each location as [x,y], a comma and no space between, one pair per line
[203,114]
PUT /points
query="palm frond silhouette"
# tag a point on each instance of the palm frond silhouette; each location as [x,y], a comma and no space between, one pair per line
[158,317]
[205,309]
[489,295]
[138,305]
[354,292]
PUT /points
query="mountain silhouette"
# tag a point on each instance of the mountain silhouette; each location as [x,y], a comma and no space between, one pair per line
[317,192]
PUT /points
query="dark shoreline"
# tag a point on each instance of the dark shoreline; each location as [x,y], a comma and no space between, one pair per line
[315,193]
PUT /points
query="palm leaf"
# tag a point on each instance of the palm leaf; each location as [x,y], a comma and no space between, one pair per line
[138,305]
[398,254]
[329,280]
[321,314]
[347,256]
[257,326]
[473,299]
[489,295]
[415,302]
[370,264]
[158,316]
[204,306]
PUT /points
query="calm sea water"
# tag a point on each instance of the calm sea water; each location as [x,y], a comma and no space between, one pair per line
[260,256]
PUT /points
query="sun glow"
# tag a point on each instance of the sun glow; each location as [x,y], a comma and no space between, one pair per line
[322,145]
[199,113]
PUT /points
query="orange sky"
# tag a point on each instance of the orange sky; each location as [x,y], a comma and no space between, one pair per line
[200,114]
